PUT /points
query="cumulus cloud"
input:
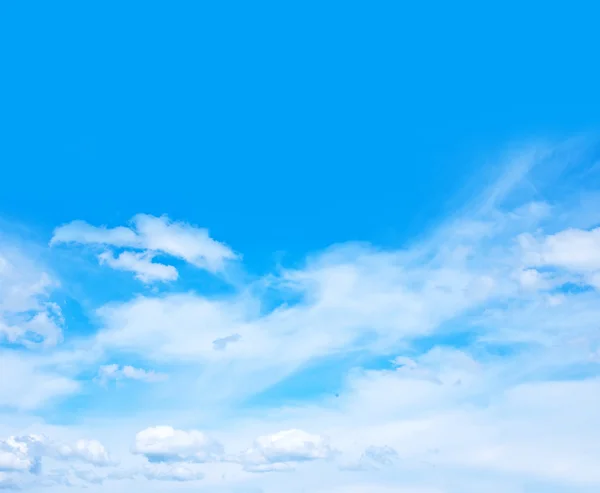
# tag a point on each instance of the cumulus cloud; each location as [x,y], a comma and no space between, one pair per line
[14,456]
[118,372]
[151,235]
[21,460]
[280,450]
[574,250]
[90,451]
[166,444]
[86,451]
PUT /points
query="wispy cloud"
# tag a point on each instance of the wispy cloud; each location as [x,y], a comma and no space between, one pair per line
[484,333]
[148,236]
[117,372]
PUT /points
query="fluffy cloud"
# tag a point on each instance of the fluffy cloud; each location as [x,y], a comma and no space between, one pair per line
[292,446]
[14,456]
[279,450]
[86,451]
[21,460]
[90,451]
[151,234]
[117,372]
[166,444]
[574,250]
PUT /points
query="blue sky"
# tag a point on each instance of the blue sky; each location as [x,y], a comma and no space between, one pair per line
[336,247]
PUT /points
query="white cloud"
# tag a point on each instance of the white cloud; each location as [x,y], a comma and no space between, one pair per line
[344,294]
[573,249]
[184,241]
[152,472]
[82,232]
[89,475]
[7,481]
[292,446]
[90,451]
[166,444]
[151,234]
[531,279]
[14,456]
[487,358]
[117,372]
[86,451]
[280,450]
[27,316]
[171,472]
[141,264]
[378,488]
[21,460]
[23,371]
[539,431]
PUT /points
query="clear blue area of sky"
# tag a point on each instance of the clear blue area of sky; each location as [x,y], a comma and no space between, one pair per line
[280,126]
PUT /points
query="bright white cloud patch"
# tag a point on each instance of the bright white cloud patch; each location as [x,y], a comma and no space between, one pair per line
[166,444]
[14,456]
[292,446]
[281,450]
[151,235]
[90,451]
[574,250]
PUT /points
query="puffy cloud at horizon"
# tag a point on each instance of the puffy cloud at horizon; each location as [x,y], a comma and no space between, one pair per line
[165,444]
[279,451]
